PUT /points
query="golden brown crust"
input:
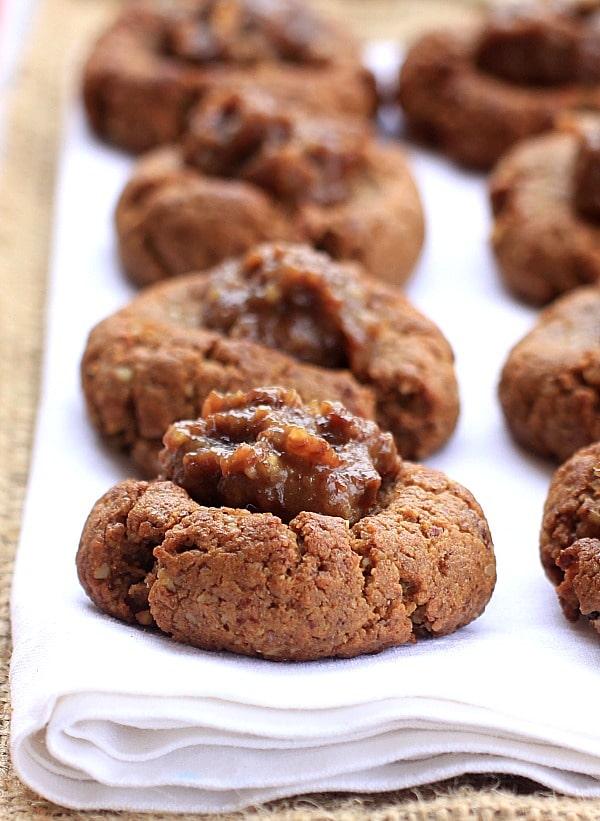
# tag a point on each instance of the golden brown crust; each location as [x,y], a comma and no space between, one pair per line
[156,360]
[570,535]
[422,564]
[142,76]
[251,170]
[454,91]
[543,243]
[550,384]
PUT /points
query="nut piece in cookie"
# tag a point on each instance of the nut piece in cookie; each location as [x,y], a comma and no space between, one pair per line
[570,535]
[266,450]
[148,69]
[250,169]
[409,557]
[280,315]
[476,92]
[545,197]
[549,388]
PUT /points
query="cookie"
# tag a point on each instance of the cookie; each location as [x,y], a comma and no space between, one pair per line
[416,558]
[549,386]
[280,315]
[546,216]
[475,92]
[156,60]
[570,535]
[250,170]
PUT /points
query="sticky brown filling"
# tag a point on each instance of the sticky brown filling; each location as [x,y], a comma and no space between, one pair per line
[267,451]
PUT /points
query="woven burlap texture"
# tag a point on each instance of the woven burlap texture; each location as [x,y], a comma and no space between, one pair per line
[43,83]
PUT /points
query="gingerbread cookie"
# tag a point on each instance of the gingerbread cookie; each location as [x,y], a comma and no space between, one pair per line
[475,92]
[250,170]
[149,68]
[570,535]
[366,551]
[284,315]
[545,196]
[550,384]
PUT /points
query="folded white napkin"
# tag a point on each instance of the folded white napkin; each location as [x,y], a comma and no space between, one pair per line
[108,716]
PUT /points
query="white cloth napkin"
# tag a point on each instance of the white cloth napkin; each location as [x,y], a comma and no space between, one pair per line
[108,716]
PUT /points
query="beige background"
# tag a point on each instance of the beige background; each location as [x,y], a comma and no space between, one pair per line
[60,36]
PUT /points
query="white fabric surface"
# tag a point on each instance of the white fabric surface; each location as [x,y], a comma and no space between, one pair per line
[108,716]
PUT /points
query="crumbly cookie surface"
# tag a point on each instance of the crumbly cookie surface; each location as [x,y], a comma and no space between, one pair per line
[420,563]
[570,535]
[146,71]
[546,229]
[280,315]
[251,169]
[549,387]
[477,91]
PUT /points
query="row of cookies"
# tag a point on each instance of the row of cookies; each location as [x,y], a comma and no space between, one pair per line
[518,96]
[192,377]
[163,228]
[267,112]
[270,240]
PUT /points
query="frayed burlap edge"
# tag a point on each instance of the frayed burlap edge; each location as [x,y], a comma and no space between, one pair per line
[61,32]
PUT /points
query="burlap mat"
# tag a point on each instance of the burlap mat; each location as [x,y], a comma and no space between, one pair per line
[47,74]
